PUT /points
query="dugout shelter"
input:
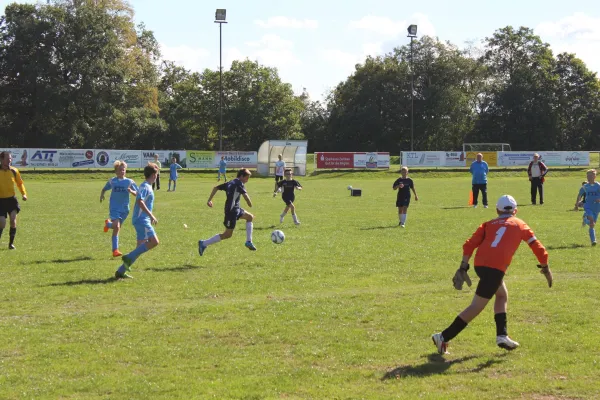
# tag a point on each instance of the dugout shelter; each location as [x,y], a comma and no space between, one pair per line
[293,152]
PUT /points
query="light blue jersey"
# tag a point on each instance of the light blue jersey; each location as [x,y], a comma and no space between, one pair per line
[592,198]
[174,167]
[119,198]
[479,170]
[222,166]
[146,194]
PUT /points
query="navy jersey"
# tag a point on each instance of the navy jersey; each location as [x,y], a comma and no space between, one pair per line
[234,189]
[405,191]
[288,186]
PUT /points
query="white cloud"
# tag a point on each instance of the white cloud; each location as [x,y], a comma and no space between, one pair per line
[193,58]
[273,51]
[285,22]
[387,28]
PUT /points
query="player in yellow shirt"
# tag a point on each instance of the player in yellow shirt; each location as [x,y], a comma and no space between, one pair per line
[9,206]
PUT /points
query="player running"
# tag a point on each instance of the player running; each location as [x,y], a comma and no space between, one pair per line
[591,207]
[118,207]
[288,197]
[9,206]
[496,242]
[142,220]
[403,185]
[235,189]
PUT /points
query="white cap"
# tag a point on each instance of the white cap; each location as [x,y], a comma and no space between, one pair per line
[506,203]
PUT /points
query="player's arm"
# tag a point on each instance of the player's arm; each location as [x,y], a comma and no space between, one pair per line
[538,249]
[298,185]
[106,187]
[247,199]
[145,209]
[20,185]
[579,196]
[398,186]
[133,189]
[213,192]
[412,186]
[473,242]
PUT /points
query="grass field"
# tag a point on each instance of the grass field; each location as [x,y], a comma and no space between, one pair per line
[343,309]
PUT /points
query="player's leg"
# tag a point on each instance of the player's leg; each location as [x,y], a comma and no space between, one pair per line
[13,229]
[229,222]
[293,210]
[146,239]
[158,182]
[116,228]
[484,194]
[285,211]
[541,190]
[169,189]
[275,188]
[533,190]
[246,216]
[3,215]
[592,218]
[475,189]
[219,176]
[502,339]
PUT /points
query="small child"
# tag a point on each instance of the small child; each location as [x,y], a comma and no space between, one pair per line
[403,186]
[173,174]
[288,197]
[222,169]
[591,207]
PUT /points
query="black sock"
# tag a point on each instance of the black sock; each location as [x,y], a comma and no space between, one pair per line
[1,232]
[454,329]
[501,329]
[11,234]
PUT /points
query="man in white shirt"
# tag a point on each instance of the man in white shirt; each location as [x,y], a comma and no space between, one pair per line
[279,170]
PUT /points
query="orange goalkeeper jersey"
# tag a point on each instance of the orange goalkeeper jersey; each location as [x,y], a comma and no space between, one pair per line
[497,241]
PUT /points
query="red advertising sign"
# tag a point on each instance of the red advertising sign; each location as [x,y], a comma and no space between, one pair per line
[335,160]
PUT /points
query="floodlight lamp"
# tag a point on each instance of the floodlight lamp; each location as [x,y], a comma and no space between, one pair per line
[220,14]
[412,30]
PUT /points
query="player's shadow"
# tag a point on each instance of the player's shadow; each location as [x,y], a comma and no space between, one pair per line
[58,260]
[264,228]
[436,364]
[456,208]
[85,282]
[181,268]
[372,228]
[566,246]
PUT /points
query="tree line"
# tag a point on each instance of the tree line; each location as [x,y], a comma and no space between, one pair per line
[82,74]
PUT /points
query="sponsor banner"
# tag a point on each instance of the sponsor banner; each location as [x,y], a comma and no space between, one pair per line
[490,157]
[550,158]
[19,157]
[148,156]
[575,158]
[106,158]
[180,158]
[202,159]
[423,158]
[284,143]
[455,159]
[238,159]
[335,160]
[371,160]
[73,158]
[43,158]
[512,158]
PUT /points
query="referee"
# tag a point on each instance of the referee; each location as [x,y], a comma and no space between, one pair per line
[9,206]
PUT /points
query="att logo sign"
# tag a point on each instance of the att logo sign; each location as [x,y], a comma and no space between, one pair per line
[45,155]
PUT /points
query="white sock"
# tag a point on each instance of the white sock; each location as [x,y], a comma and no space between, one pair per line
[403,219]
[249,226]
[295,217]
[212,240]
[400,217]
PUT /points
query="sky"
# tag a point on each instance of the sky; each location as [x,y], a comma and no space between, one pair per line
[316,44]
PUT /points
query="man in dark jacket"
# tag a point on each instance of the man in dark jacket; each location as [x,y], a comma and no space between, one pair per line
[536,171]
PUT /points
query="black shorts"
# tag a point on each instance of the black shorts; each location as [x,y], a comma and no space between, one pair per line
[403,201]
[288,199]
[278,178]
[8,205]
[231,217]
[490,280]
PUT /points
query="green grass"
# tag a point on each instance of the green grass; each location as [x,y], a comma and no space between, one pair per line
[344,309]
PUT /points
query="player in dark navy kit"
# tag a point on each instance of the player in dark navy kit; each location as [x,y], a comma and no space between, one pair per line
[234,189]
[288,197]
[403,185]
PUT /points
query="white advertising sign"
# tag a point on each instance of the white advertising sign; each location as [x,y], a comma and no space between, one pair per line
[455,159]
[43,158]
[512,158]
[73,158]
[575,158]
[19,157]
[148,156]
[202,159]
[423,158]
[106,158]
[371,160]
[238,159]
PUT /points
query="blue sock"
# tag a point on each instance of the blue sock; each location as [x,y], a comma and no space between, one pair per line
[122,269]
[137,252]
[115,242]
[109,224]
[593,234]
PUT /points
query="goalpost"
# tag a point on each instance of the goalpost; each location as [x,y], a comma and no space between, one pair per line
[485,147]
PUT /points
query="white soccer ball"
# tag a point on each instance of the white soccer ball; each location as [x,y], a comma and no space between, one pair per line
[277,237]
[349,187]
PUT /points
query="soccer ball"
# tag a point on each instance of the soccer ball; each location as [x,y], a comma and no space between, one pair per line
[277,237]
[349,187]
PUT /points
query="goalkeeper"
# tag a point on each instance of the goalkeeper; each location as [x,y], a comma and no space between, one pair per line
[496,242]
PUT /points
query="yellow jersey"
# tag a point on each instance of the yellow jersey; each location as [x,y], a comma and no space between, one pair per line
[8,179]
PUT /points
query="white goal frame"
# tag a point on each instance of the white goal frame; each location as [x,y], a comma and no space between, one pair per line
[486,147]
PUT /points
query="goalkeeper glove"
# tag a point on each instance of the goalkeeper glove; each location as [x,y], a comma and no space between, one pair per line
[545,270]
[461,276]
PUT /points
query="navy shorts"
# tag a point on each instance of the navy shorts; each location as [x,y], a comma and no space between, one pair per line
[288,199]
[403,201]
[232,216]
[490,280]
[278,178]
[8,205]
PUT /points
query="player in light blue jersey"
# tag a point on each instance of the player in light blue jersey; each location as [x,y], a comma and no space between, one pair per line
[118,208]
[173,175]
[591,206]
[142,220]
[222,169]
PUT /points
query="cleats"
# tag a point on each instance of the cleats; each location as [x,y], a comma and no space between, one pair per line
[297,222]
[124,275]
[11,246]
[506,343]
[201,247]
[126,261]
[593,244]
[402,225]
[438,341]
[485,206]
[106,228]
[250,246]
[475,206]
[281,217]
[274,194]
[117,253]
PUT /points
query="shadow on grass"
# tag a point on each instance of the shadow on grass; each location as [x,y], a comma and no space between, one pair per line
[372,228]
[566,246]
[456,208]
[86,282]
[182,268]
[264,228]
[58,261]
[436,364]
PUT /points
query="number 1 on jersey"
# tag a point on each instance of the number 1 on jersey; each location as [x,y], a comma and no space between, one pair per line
[499,234]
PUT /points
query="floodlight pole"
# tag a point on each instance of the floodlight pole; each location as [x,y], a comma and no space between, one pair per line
[412,33]
[220,19]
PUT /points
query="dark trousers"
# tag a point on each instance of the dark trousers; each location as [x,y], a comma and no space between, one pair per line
[157,183]
[476,188]
[537,185]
